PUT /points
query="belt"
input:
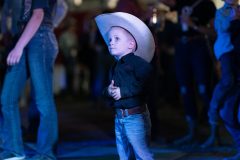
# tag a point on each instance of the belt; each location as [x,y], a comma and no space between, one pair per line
[131,111]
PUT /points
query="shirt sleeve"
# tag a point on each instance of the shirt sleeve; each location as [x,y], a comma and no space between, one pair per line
[222,22]
[40,4]
[143,72]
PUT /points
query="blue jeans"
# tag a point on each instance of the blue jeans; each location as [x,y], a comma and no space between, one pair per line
[36,63]
[132,136]
[230,114]
[193,66]
[229,70]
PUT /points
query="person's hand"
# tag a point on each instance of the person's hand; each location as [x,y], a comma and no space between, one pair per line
[111,88]
[14,56]
[116,94]
[114,91]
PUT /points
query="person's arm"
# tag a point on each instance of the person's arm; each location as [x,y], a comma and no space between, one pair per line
[208,30]
[60,12]
[29,31]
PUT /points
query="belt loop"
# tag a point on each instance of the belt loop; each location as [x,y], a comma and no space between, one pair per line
[126,112]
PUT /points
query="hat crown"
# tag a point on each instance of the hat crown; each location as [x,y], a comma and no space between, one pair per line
[138,29]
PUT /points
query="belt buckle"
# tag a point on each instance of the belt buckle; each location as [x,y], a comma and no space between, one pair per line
[124,112]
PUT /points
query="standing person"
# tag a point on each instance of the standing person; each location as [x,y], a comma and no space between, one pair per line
[193,59]
[32,57]
[131,43]
[68,44]
[59,13]
[227,51]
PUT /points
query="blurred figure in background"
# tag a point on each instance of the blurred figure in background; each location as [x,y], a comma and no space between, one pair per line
[131,7]
[94,55]
[227,51]
[60,12]
[9,29]
[193,59]
[68,44]
[9,25]
[226,94]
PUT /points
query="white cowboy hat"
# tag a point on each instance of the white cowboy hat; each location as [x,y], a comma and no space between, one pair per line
[138,29]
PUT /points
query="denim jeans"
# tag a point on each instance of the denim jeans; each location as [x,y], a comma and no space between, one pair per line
[36,63]
[230,114]
[193,66]
[132,136]
[229,71]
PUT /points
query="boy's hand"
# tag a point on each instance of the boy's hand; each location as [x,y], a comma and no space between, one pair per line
[111,87]
[114,91]
[116,94]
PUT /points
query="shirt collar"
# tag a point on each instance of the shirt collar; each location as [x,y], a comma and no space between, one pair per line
[126,57]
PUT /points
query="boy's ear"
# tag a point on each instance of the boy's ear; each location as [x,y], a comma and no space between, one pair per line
[132,45]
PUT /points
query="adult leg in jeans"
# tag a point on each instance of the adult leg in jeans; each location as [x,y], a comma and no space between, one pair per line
[42,51]
[223,87]
[202,69]
[184,76]
[231,118]
[14,81]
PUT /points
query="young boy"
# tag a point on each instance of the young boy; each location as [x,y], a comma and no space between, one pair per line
[131,43]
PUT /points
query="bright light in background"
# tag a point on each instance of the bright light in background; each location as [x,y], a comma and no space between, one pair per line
[77,2]
[112,3]
[154,17]
[218,3]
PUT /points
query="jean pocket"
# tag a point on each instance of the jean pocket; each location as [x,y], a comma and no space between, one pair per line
[53,43]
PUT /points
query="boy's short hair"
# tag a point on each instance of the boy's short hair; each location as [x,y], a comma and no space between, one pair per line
[137,28]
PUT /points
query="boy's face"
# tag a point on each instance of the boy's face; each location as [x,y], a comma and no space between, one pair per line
[120,42]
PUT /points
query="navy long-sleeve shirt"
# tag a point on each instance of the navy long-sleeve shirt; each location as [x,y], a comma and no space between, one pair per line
[133,76]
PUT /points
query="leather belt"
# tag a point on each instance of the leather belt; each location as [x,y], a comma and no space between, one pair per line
[131,111]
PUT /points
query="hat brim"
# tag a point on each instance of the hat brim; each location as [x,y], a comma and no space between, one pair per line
[138,29]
